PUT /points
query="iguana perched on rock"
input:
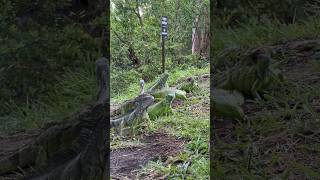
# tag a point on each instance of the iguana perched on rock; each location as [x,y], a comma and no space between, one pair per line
[249,80]
[75,149]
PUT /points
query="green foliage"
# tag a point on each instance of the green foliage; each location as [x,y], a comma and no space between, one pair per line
[254,34]
[233,12]
[136,24]
[38,46]
[63,99]
[121,81]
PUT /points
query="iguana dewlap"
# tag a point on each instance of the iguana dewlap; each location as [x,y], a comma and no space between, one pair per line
[227,104]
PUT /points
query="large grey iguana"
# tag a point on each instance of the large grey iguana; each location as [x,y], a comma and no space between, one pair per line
[75,149]
[133,110]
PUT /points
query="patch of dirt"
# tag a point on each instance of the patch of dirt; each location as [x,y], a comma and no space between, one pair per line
[125,162]
[177,102]
[301,71]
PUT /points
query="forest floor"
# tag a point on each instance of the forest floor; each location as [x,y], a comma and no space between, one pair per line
[282,139]
[162,150]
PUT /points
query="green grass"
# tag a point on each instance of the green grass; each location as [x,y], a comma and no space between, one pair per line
[252,35]
[133,88]
[74,90]
[274,143]
[273,134]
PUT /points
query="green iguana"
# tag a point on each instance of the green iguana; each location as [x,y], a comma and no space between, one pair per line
[161,89]
[249,79]
[161,83]
[179,94]
[251,76]
[161,108]
[133,110]
[189,85]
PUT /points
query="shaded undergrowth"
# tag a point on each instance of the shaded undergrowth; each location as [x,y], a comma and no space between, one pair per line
[280,138]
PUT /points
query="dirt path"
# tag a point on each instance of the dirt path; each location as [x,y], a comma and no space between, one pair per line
[124,162]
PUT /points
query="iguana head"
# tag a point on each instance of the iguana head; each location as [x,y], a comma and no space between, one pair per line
[180,94]
[142,86]
[170,97]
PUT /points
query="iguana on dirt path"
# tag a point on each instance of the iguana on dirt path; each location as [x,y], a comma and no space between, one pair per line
[76,149]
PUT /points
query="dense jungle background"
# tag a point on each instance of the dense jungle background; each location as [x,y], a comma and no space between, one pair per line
[277,136]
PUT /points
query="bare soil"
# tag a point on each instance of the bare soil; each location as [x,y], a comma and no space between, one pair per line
[125,162]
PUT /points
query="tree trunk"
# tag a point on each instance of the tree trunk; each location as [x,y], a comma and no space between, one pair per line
[200,34]
[144,35]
